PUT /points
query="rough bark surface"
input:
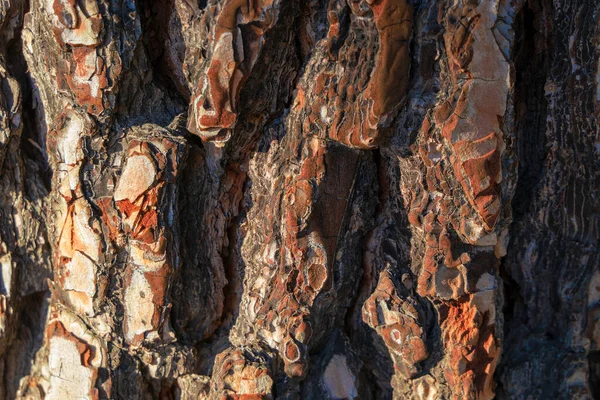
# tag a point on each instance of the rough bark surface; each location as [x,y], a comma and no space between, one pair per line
[316,199]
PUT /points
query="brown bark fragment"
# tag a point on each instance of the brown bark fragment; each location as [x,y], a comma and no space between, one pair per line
[321,199]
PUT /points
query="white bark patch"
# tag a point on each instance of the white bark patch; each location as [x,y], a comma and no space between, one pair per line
[85,73]
[69,379]
[85,34]
[69,140]
[85,239]
[488,240]
[486,282]
[6,269]
[82,275]
[339,380]
[138,176]
[262,384]
[139,308]
[426,388]
[141,258]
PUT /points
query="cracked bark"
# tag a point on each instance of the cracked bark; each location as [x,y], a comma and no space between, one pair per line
[317,199]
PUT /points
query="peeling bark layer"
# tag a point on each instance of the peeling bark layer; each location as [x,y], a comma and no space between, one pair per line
[317,199]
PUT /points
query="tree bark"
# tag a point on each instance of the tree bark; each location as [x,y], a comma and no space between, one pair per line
[317,199]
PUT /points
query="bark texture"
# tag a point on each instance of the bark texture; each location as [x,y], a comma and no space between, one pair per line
[316,199]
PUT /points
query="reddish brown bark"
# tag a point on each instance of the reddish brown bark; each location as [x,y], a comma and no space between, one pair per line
[299,199]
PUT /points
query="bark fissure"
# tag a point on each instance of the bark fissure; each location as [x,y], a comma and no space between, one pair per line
[321,199]
[532,62]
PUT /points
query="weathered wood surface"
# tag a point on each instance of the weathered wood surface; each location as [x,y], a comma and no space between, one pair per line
[299,199]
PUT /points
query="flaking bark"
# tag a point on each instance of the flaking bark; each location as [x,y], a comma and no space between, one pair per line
[299,199]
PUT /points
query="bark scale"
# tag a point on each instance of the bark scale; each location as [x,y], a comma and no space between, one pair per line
[299,199]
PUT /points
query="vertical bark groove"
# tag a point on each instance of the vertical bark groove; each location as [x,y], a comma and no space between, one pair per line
[325,199]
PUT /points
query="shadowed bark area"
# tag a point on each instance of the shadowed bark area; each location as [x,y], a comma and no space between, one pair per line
[319,199]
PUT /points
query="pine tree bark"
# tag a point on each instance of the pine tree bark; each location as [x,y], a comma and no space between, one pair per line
[317,199]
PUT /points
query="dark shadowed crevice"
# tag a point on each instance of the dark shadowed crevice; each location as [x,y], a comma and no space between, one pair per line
[28,321]
[594,366]
[33,140]
[27,175]
[232,290]
[148,89]
[234,267]
[157,35]
[532,60]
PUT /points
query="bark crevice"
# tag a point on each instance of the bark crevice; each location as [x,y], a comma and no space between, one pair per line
[320,199]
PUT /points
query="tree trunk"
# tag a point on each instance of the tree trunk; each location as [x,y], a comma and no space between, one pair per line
[311,199]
